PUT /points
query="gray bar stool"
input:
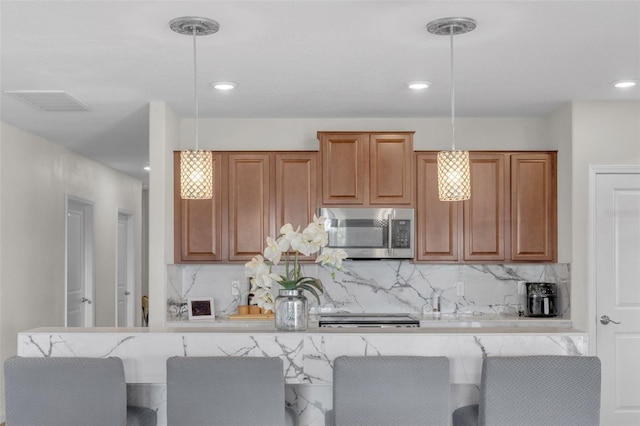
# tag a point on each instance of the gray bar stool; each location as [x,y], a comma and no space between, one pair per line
[229,391]
[536,390]
[390,390]
[70,392]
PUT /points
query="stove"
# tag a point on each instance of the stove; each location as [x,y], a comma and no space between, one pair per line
[368,320]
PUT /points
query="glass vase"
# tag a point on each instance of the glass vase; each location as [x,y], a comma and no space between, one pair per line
[291,313]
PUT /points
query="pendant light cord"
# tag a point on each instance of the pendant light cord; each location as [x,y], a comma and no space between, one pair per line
[453,98]
[195,80]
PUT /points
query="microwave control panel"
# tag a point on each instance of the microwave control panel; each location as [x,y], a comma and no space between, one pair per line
[401,233]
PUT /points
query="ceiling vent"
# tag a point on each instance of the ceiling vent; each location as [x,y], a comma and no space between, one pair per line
[50,100]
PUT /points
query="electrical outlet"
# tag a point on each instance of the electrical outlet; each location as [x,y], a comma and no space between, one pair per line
[235,288]
[460,288]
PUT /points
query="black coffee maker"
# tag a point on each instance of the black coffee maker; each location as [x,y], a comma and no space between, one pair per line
[541,300]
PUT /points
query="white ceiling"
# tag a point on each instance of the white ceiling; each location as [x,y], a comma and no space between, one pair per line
[304,59]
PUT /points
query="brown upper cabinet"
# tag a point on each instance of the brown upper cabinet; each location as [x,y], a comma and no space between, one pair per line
[295,188]
[249,204]
[255,193]
[484,215]
[197,223]
[362,169]
[436,221]
[534,229]
[511,216]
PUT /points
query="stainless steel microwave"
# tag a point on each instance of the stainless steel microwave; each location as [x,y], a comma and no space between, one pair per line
[371,233]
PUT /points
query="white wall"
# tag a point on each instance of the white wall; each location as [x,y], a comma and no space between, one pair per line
[163,140]
[603,133]
[2,416]
[495,133]
[559,134]
[144,250]
[35,177]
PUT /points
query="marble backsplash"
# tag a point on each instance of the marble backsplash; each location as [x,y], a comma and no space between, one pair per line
[381,286]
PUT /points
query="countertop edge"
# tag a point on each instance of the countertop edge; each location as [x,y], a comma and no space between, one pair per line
[312,331]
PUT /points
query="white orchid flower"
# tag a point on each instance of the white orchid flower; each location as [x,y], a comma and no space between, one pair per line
[266,279]
[319,221]
[263,277]
[316,225]
[332,257]
[316,236]
[287,230]
[295,240]
[263,298]
[268,306]
[272,252]
[253,263]
[283,244]
[304,246]
[289,235]
[315,232]
[306,243]
[262,269]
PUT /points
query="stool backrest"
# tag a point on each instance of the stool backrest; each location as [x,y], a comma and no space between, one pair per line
[391,390]
[225,390]
[65,391]
[540,390]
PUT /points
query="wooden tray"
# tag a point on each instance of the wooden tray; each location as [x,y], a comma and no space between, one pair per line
[251,316]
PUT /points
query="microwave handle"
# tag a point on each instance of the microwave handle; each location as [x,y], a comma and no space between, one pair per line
[389,234]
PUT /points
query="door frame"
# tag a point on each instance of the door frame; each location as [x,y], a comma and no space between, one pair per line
[592,310]
[90,262]
[131,268]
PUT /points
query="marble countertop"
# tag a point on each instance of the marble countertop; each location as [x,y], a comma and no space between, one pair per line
[264,327]
[429,323]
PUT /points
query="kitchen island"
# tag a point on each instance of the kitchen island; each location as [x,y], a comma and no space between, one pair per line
[307,356]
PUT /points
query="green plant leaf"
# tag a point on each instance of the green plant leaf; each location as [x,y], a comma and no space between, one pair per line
[311,289]
[311,281]
[288,285]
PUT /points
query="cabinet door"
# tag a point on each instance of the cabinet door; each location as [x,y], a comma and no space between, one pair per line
[197,224]
[344,163]
[485,213]
[533,207]
[390,169]
[295,182]
[437,221]
[248,205]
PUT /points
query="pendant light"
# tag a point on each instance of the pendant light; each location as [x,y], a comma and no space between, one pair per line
[454,175]
[196,165]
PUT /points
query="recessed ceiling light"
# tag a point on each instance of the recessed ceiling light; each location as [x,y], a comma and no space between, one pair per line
[418,85]
[623,84]
[223,85]
[147,168]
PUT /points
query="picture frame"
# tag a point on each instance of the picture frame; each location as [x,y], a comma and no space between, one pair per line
[201,308]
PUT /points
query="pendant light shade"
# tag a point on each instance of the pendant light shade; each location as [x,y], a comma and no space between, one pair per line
[196,174]
[454,174]
[196,165]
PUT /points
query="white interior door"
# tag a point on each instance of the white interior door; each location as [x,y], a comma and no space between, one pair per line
[125,272]
[79,264]
[616,256]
